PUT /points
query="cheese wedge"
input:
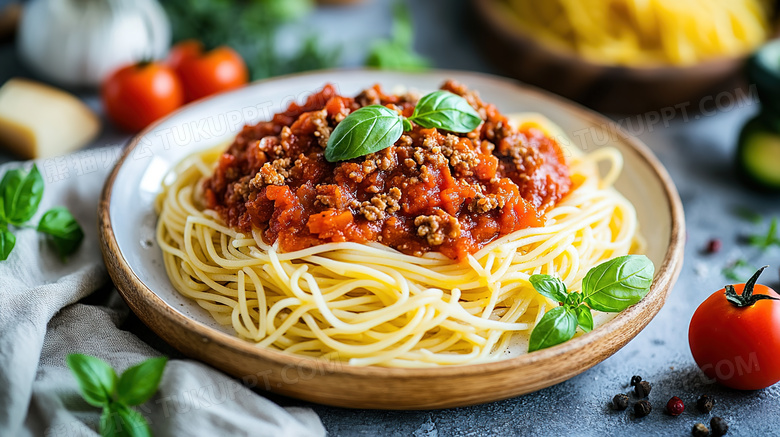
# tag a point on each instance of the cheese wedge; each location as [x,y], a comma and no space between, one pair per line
[39,121]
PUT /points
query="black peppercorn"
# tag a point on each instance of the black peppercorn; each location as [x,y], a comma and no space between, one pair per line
[705,403]
[642,408]
[642,389]
[620,402]
[699,430]
[636,379]
[719,426]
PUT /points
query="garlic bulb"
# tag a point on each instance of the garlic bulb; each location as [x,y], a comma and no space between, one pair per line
[80,42]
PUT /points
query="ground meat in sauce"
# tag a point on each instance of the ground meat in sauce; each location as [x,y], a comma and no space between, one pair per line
[431,191]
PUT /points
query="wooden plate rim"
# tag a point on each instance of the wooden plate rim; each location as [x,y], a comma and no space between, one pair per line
[131,287]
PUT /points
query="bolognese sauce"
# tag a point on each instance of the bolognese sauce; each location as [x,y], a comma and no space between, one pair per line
[432,190]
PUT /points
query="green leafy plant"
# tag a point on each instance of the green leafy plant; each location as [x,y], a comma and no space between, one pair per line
[101,387]
[375,127]
[397,53]
[612,286]
[250,27]
[767,240]
[20,195]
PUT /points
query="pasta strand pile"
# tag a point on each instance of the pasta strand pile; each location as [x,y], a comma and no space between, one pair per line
[372,305]
[645,32]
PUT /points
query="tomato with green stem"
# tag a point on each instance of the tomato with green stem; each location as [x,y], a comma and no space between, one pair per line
[204,73]
[734,335]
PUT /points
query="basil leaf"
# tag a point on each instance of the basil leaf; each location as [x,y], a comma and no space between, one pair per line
[367,130]
[617,284]
[557,326]
[132,423]
[97,380]
[11,181]
[138,383]
[397,53]
[584,318]
[550,287]
[21,194]
[7,242]
[573,299]
[65,233]
[108,421]
[120,420]
[447,111]
[389,55]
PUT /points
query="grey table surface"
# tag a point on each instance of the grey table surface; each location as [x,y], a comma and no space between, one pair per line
[697,150]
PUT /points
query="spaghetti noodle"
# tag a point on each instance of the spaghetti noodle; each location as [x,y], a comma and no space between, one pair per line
[369,304]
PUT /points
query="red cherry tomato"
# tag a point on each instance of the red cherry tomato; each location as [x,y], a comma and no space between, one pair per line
[137,95]
[735,336]
[205,73]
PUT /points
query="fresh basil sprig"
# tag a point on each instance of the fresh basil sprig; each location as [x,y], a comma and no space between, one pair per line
[20,196]
[64,231]
[22,193]
[612,286]
[100,387]
[376,127]
[447,111]
[367,130]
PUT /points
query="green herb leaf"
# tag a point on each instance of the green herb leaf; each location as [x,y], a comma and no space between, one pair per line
[389,55]
[285,10]
[403,30]
[132,423]
[7,242]
[557,326]
[767,240]
[65,233]
[21,194]
[120,420]
[108,421]
[397,53]
[549,287]
[11,181]
[367,130]
[748,214]
[617,284]
[584,318]
[97,380]
[573,300]
[139,383]
[312,55]
[447,111]
[738,271]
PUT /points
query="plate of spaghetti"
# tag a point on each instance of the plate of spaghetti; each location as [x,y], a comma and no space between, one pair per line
[387,240]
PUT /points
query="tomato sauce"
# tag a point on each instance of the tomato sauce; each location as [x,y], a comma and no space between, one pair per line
[431,191]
